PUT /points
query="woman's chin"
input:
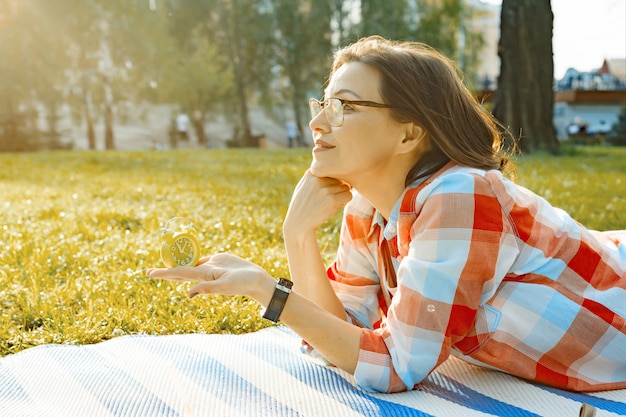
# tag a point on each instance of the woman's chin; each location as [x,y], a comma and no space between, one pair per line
[320,171]
[316,169]
[324,170]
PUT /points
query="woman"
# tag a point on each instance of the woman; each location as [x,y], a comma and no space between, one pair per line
[439,253]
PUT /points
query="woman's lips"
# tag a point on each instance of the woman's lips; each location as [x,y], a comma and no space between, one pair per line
[320,145]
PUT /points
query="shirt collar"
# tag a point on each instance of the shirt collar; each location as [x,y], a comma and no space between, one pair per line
[390,228]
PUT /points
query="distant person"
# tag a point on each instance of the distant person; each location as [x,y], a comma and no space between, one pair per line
[292,133]
[603,128]
[172,134]
[573,129]
[198,126]
[486,83]
[439,252]
[182,126]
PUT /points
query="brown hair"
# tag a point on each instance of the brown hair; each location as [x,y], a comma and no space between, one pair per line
[424,87]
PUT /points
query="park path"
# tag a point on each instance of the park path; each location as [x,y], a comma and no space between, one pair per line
[148,129]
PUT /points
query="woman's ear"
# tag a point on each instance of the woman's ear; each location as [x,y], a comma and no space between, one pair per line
[415,137]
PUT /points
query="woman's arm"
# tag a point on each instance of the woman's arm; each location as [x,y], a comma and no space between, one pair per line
[308,273]
[335,339]
[313,202]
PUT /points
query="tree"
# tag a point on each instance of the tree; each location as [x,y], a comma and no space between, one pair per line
[524,99]
[342,22]
[129,41]
[246,36]
[391,19]
[241,30]
[29,78]
[102,58]
[107,45]
[303,40]
[442,25]
[196,78]
[78,24]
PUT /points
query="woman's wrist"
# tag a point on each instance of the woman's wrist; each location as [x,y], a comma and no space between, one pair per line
[297,238]
[297,228]
[264,290]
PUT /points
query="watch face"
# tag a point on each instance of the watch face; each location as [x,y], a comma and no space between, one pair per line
[179,244]
[183,251]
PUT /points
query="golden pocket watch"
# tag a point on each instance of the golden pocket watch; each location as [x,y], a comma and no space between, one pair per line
[179,244]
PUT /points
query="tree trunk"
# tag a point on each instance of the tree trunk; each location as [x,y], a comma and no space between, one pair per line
[88,110]
[243,135]
[296,105]
[198,126]
[524,99]
[109,141]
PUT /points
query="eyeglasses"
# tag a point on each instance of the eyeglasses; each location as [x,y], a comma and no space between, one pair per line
[334,108]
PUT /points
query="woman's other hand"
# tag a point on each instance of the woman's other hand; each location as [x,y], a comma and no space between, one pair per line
[314,201]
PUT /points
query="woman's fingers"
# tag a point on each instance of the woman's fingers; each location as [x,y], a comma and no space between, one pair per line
[203,259]
[209,268]
[203,288]
[217,274]
[178,273]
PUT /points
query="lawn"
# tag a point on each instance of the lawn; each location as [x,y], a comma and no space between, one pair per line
[79,229]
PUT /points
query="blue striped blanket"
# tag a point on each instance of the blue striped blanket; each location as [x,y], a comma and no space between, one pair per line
[256,374]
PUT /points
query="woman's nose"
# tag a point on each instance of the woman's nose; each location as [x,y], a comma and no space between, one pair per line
[319,123]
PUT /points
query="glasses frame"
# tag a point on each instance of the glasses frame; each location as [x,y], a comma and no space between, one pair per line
[315,105]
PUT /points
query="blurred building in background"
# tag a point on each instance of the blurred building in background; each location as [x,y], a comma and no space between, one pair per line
[588,103]
[487,21]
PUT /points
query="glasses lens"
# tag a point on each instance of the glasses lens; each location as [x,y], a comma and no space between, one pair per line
[333,108]
[334,112]
[315,106]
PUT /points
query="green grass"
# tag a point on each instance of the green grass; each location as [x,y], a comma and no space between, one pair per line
[589,183]
[79,229]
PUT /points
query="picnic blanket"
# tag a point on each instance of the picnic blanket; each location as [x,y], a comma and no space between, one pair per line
[256,374]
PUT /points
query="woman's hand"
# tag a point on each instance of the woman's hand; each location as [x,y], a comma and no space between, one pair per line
[227,274]
[313,202]
[220,274]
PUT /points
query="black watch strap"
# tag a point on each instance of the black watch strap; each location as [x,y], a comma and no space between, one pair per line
[277,303]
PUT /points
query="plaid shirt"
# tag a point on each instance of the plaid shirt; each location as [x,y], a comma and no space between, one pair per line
[487,271]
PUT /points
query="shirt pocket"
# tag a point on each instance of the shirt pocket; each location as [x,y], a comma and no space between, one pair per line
[492,317]
[487,321]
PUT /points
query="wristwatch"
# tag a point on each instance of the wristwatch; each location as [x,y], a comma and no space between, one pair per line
[277,303]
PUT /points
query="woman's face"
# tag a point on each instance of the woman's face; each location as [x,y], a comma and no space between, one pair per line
[364,146]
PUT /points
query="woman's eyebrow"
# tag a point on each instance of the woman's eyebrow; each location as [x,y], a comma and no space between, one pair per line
[342,91]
